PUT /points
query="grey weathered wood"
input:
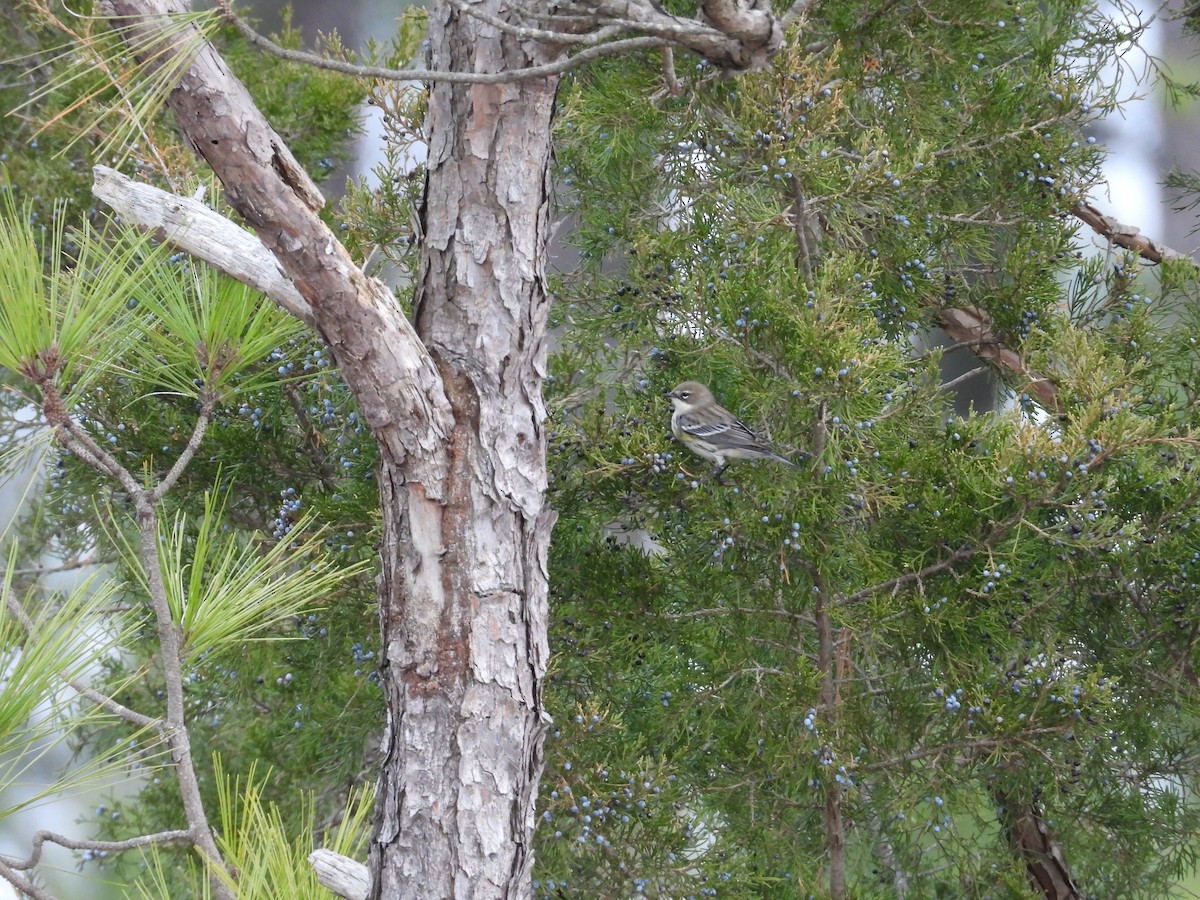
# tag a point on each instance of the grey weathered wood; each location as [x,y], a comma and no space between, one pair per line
[203,232]
[454,400]
[342,875]
[455,404]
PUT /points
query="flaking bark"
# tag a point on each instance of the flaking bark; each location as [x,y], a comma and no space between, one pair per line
[457,413]
[465,682]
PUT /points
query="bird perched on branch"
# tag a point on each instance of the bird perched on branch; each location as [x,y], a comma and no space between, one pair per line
[713,432]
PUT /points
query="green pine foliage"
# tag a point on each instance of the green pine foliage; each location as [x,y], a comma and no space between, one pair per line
[268,532]
[1008,595]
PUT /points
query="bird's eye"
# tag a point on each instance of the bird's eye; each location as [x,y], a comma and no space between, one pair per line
[683,395]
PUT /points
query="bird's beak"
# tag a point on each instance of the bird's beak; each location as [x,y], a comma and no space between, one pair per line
[668,393]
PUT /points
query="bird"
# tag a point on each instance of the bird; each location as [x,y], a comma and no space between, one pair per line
[713,432]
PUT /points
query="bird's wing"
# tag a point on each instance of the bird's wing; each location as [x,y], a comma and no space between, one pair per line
[734,432]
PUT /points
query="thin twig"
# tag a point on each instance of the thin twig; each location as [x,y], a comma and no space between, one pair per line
[70,566]
[972,745]
[24,886]
[735,610]
[387,74]
[131,716]
[143,840]
[950,561]
[310,434]
[955,382]
[189,451]
[974,146]
[757,671]
[79,442]
[820,430]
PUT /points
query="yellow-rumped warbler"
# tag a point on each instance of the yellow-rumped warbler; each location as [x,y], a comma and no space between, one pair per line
[711,431]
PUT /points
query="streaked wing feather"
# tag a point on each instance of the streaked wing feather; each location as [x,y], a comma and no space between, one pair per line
[735,431]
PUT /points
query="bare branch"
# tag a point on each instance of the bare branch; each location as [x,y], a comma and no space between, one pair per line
[344,876]
[975,146]
[79,442]
[801,222]
[185,456]
[27,888]
[955,382]
[757,671]
[973,327]
[835,830]
[174,729]
[546,35]
[669,77]
[1127,236]
[69,566]
[204,233]
[425,75]
[735,34]
[40,838]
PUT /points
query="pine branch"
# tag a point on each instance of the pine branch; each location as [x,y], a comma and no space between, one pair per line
[189,451]
[175,728]
[132,716]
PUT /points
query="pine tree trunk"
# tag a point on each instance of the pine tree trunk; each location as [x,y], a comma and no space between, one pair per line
[455,403]
[464,623]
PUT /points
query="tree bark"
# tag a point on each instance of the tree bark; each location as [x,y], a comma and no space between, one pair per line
[464,642]
[454,399]
[456,407]
[1032,841]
